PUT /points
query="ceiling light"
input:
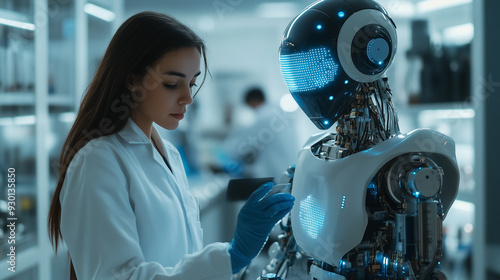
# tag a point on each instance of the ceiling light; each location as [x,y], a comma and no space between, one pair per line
[288,104]
[433,5]
[399,8]
[99,12]
[14,20]
[277,10]
[460,34]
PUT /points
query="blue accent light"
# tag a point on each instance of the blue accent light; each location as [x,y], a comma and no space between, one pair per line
[341,14]
[311,216]
[346,82]
[342,205]
[319,26]
[326,122]
[366,257]
[307,71]
[417,194]
[331,97]
[342,264]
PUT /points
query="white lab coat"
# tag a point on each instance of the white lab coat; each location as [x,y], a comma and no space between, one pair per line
[271,139]
[126,216]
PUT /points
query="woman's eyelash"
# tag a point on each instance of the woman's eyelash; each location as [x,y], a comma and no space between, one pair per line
[169,86]
[175,86]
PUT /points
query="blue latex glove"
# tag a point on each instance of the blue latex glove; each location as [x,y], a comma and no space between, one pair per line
[255,221]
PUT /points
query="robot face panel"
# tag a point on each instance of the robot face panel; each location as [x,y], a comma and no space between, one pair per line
[308,71]
[329,49]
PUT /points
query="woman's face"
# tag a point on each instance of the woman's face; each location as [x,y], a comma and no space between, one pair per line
[164,92]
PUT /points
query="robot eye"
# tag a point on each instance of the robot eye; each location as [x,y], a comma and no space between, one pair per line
[377,51]
[366,53]
[371,49]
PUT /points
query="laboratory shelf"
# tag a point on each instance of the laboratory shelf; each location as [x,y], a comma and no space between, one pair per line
[28,99]
[60,100]
[435,106]
[25,260]
[17,98]
[35,99]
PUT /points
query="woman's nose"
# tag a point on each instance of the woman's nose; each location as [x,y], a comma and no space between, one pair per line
[186,96]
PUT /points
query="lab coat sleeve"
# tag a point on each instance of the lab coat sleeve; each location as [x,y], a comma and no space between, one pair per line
[98,225]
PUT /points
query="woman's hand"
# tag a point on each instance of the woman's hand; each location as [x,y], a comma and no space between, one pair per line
[255,221]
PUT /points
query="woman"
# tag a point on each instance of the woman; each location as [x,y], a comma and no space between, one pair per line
[121,203]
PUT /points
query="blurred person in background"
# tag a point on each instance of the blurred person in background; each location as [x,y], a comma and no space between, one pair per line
[268,146]
[121,203]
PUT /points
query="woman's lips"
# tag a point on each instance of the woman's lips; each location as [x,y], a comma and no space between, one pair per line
[178,116]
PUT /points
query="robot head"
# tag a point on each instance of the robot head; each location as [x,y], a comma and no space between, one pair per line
[329,49]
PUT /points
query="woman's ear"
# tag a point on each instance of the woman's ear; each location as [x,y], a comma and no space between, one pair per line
[132,82]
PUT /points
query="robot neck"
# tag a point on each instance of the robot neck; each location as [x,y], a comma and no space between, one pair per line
[372,119]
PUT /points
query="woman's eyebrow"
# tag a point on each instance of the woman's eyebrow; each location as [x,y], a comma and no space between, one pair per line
[182,75]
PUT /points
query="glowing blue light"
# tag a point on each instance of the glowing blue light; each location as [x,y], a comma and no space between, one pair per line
[331,97]
[311,216]
[342,205]
[346,82]
[326,122]
[416,194]
[307,71]
[342,264]
[380,62]
[341,14]
[319,26]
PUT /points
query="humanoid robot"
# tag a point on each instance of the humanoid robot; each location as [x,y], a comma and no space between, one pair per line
[370,201]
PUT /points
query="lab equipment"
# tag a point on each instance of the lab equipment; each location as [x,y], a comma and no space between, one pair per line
[256,219]
[370,200]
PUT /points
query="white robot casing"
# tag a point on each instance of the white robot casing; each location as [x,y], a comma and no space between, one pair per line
[329,217]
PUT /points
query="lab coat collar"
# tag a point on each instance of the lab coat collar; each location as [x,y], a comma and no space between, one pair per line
[133,134]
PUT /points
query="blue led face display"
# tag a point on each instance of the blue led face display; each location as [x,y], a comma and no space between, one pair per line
[307,71]
[311,216]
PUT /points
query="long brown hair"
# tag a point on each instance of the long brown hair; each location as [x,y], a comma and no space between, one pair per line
[137,44]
